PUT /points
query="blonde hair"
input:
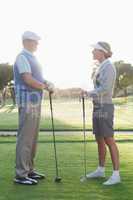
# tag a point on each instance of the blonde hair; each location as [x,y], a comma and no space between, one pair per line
[108,54]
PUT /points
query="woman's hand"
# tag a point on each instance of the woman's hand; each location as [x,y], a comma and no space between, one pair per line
[83,93]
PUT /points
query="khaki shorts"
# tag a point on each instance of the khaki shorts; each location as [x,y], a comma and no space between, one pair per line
[103,117]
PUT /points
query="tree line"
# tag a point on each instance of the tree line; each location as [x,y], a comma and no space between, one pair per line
[123,81]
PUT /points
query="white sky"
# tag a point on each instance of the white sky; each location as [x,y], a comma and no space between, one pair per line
[67,28]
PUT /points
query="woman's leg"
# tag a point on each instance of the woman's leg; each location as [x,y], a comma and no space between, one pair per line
[100,171]
[113,152]
[101,151]
[115,178]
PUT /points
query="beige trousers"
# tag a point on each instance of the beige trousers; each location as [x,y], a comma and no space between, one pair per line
[29,119]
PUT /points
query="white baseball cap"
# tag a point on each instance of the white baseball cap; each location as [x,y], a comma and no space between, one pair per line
[30,36]
[104,46]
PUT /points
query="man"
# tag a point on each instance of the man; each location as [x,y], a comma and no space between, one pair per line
[29,86]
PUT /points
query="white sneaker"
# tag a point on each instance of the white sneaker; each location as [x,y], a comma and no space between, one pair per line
[96,174]
[113,180]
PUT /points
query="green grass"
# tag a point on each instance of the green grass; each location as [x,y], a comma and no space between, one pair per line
[68,114]
[70,157]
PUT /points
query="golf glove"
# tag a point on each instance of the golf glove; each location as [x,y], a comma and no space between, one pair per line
[50,86]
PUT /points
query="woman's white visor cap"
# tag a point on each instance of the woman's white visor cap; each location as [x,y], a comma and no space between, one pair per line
[100,47]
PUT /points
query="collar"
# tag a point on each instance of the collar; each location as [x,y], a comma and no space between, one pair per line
[104,62]
[28,52]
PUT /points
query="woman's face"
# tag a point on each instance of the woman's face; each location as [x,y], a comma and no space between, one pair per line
[98,55]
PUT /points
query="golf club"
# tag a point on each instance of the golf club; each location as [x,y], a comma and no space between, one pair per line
[83,178]
[57,178]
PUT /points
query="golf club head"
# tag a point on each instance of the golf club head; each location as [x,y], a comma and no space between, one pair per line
[57,179]
[83,179]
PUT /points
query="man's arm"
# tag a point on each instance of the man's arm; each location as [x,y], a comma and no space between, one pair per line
[30,81]
[25,72]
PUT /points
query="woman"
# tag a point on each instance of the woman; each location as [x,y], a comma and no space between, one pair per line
[103,112]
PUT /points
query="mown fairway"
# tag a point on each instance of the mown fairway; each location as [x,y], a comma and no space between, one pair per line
[70,156]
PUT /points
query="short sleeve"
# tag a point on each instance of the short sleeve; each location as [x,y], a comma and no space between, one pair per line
[23,64]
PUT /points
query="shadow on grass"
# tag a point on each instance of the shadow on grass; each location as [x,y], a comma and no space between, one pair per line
[9,122]
[7,108]
[12,140]
[58,124]
[1,106]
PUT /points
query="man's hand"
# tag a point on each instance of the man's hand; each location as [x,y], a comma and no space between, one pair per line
[32,82]
[50,86]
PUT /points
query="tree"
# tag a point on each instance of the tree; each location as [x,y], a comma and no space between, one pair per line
[6,75]
[124,76]
[10,87]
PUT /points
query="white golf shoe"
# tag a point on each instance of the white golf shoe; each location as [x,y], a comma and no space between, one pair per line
[96,174]
[113,180]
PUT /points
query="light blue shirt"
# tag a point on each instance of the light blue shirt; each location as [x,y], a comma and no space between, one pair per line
[22,62]
[26,62]
[104,81]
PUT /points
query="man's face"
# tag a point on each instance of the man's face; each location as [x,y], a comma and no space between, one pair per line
[31,45]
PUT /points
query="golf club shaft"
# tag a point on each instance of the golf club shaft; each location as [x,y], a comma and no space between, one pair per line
[84,132]
[54,141]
